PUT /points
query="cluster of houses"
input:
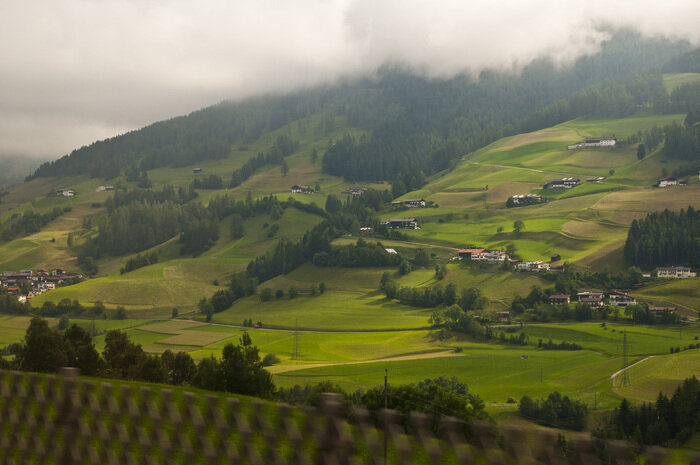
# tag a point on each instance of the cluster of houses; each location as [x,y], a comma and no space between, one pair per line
[563,183]
[595,299]
[296,189]
[25,284]
[411,203]
[493,257]
[592,142]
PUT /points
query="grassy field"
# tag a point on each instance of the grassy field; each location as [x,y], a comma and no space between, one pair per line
[586,225]
[671,81]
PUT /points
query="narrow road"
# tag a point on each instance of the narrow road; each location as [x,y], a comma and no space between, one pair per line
[528,169]
[292,330]
[614,375]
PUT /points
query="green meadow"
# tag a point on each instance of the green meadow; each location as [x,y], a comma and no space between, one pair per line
[351,333]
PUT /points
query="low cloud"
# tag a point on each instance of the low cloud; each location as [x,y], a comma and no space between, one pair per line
[74,71]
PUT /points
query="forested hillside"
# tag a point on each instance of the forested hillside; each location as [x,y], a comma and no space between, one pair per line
[664,239]
[413,123]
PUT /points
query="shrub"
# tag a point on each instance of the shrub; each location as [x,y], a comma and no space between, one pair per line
[270,359]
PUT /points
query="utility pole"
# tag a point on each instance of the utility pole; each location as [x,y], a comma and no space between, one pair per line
[296,340]
[386,406]
[540,371]
[595,402]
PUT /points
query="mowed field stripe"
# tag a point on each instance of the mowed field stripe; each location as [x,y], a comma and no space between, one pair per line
[287,368]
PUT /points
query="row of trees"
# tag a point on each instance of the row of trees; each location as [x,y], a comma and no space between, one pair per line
[656,423]
[361,254]
[432,296]
[139,261]
[665,238]
[436,397]
[283,147]
[45,350]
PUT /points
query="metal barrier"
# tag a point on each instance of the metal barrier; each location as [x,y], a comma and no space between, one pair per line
[64,420]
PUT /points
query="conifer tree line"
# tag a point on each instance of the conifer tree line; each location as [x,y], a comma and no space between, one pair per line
[283,147]
[29,222]
[656,423]
[139,219]
[664,239]
[410,123]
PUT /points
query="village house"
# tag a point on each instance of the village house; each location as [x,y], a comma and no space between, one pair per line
[390,251]
[104,188]
[525,199]
[366,230]
[621,299]
[296,189]
[411,203]
[534,266]
[401,223]
[591,142]
[466,254]
[675,272]
[197,170]
[595,179]
[356,191]
[666,182]
[592,298]
[490,257]
[504,316]
[65,192]
[659,312]
[564,183]
[559,299]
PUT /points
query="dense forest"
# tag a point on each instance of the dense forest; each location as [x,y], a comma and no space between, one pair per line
[411,123]
[664,239]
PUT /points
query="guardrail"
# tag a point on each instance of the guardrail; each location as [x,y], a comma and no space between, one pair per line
[47,419]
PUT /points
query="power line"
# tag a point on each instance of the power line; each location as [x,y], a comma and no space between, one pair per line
[625,379]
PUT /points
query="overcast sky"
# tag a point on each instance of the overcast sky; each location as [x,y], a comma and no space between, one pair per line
[74,71]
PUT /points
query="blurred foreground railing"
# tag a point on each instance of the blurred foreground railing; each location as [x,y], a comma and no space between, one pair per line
[64,420]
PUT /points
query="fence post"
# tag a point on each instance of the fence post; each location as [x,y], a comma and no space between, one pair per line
[68,415]
[334,444]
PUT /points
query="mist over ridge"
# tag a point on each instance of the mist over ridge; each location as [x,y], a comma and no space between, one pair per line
[75,71]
